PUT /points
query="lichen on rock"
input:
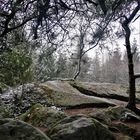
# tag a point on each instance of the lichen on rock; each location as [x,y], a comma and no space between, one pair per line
[80,128]
[110,114]
[41,116]
[11,129]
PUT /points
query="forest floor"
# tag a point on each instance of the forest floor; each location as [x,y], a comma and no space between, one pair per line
[91,110]
[118,136]
[93,93]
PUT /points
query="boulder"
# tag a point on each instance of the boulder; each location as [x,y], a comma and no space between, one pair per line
[123,128]
[80,128]
[127,138]
[40,116]
[124,137]
[110,114]
[18,130]
[129,117]
[21,98]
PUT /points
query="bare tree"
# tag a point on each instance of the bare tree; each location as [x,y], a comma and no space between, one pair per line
[132,76]
[40,13]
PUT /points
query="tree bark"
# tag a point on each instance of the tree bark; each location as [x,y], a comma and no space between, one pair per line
[78,67]
[132,89]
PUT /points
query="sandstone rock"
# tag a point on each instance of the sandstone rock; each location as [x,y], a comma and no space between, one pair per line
[80,128]
[21,98]
[125,138]
[3,87]
[57,93]
[5,112]
[129,117]
[40,116]
[110,114]
[106,90]
[123,128]
[18,130]
[63,94]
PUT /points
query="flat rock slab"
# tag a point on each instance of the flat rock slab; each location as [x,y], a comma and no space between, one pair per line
[61,93]
[109,88]
[106,88]
[17,130]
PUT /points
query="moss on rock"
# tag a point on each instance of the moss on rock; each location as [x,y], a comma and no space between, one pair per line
[5,112]
[62,94]
[110,114]
[80,128]
[123,128]
[41,116]
[11,129]
[3,87]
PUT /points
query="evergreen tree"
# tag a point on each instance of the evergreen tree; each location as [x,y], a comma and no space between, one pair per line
[44,65]
[95,69]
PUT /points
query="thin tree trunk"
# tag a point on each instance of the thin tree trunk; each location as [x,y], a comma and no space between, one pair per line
[78,68]
[132,89]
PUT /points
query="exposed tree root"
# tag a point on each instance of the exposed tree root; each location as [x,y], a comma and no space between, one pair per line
[134,109]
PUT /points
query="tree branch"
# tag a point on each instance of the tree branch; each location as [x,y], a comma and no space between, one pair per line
[133,14]
[7,30]
[137,75]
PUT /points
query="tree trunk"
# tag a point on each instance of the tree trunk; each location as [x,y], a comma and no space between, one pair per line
[132,89]
[131,103]
[78,68]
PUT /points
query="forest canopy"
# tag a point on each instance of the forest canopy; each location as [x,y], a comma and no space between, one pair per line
[34,33]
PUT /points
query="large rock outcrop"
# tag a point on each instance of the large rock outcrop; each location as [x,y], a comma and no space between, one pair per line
[57,93]
[105,90]
[62,94]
